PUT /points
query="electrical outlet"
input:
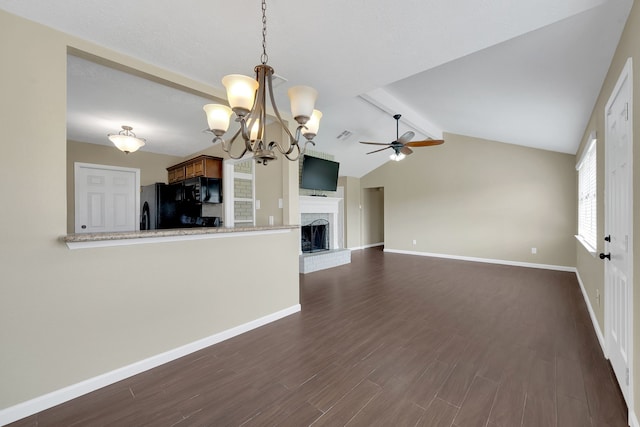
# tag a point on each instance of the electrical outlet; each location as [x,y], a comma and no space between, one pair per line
[270,219]
[534,250]
[414,241]
[257,204]
[280,203]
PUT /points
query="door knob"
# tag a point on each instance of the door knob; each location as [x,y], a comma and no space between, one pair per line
[607,238]
[607,256]
[83,227]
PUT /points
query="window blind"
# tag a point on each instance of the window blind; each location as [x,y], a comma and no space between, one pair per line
[587,196]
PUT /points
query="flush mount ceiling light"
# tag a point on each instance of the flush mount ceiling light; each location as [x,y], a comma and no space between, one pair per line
[247,98]
[126,140]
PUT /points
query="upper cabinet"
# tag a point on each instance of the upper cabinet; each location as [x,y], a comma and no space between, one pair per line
[207,166]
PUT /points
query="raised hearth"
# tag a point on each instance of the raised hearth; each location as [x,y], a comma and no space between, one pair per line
[322,260]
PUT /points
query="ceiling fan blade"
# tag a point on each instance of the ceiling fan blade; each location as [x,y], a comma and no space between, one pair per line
[373,143]
[375,151]
[425,143]
[406,150]
[406,137]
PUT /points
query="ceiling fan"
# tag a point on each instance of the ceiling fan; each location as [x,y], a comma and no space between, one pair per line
[402,143]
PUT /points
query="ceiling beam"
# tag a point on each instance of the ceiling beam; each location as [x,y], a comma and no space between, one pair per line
[388,103]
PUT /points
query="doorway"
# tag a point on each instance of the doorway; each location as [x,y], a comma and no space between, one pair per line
[618,255]
[372,217]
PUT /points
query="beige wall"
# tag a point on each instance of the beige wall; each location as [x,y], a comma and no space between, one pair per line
[269,186]
[268,191]
[590,269]
[66,316]
[484,199]
[372,216]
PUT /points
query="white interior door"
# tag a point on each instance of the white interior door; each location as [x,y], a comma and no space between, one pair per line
[618,231]
[107,198]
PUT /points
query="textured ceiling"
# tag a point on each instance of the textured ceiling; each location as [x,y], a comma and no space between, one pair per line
[525,72]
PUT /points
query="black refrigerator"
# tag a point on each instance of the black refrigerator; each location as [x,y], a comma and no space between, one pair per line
[159,206]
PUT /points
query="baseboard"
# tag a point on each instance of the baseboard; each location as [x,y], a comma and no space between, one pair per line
[633,420]
[372,245]
[49,400]
[592,314]
[486,260]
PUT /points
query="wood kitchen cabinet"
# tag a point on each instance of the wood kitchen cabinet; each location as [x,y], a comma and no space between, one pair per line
[207,166]
[176,174]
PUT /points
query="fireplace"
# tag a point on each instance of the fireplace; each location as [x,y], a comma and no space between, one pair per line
[325,208]
[320,234]
[315,236]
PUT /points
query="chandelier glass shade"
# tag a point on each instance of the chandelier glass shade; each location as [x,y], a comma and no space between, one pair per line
[247,98]
[126,140]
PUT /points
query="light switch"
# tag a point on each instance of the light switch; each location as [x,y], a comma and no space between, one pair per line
[257,204]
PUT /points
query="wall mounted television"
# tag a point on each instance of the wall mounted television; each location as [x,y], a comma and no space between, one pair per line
[319,174]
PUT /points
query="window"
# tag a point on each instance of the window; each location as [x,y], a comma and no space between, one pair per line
[587,207]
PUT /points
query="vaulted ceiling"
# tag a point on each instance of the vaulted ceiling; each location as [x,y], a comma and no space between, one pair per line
[522,72]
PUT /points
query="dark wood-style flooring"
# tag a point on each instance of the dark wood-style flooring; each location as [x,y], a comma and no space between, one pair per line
[389,340]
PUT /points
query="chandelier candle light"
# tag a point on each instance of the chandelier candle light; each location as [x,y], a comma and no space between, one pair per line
[247,98]
[126,140]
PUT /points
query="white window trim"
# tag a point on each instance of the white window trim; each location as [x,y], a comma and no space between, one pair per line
[588,152]
[230,175]
[593,251]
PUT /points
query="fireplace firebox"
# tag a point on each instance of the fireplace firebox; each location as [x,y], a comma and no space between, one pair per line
[315,236]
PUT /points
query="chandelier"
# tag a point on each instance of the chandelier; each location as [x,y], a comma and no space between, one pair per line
[247,98]
[125,140]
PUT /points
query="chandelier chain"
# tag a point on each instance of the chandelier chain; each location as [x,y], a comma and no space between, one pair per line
[264,57]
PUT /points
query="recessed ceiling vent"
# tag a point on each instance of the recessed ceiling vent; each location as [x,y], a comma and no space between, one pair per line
[344,135]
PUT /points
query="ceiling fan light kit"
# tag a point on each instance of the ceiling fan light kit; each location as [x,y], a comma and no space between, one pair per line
[397,156]
[402,143]
[126,140]
[247,99]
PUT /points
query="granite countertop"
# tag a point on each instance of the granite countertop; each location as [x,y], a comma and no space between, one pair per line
[144,234]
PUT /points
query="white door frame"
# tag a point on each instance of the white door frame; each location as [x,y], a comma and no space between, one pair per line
[341,236]
[625,75]
[228,189]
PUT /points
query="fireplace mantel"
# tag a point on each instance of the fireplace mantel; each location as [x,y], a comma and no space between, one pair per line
[318,204]
[323,205]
